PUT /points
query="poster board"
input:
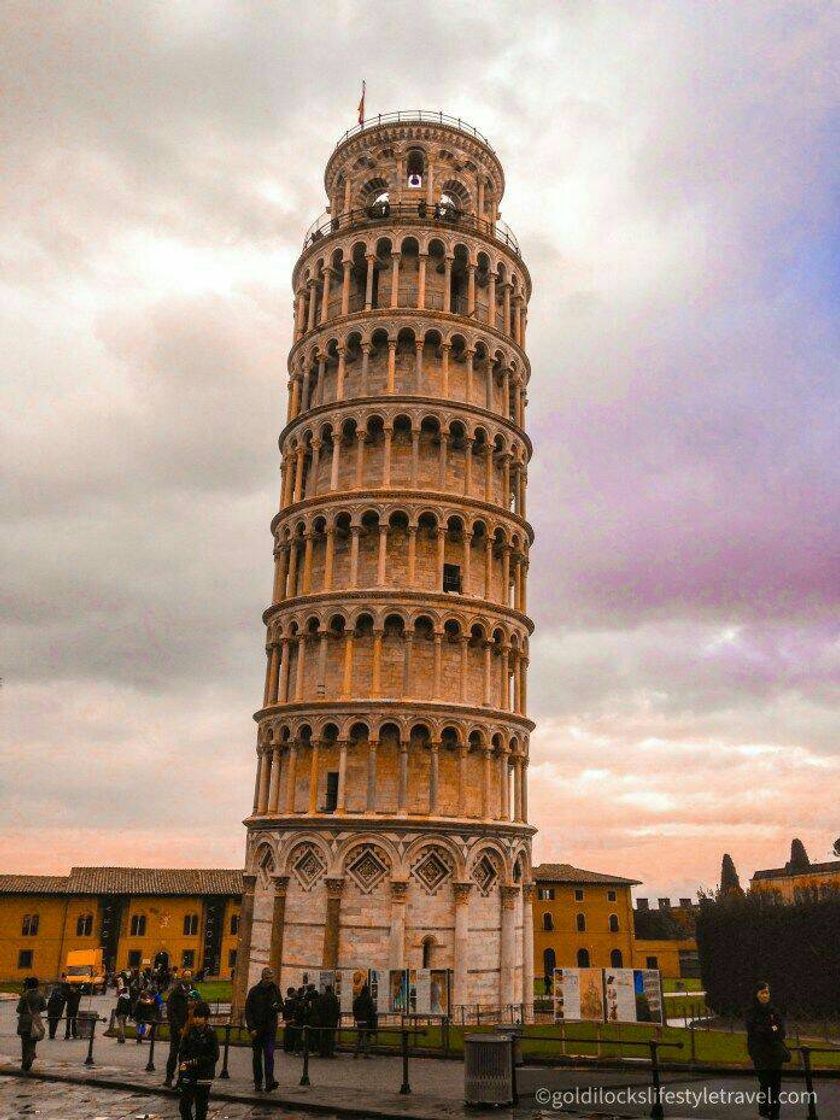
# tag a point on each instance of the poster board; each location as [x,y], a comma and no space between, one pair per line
[579,995]
[350,981]
[566,994]
[418,991]
[648,995]
[620,995]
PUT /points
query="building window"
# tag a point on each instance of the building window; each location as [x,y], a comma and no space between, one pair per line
[616,959]
[332,792]
[652,962]
[583,958]
[548,923]
[452,579]
[545,894]
[580,923]
[188,958]
[84,925]
[428,950]
[138,925]
[135,958]
[25,958]
[231,958]
[578,895]
[613,923]
[190,925]
[29,926]
[234,923]
[610,896]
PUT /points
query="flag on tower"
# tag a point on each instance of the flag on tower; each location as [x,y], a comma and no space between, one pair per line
[362,106]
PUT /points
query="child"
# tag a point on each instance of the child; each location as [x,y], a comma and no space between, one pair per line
[197,1059]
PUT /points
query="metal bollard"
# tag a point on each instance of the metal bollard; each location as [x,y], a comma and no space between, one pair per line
[805,1051]
[656,1112]
[405,1088]
[304,1077]
[150,1065]
[225,1075]
[89,1059]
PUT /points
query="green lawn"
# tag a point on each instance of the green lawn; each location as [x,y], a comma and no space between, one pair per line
[215,991]
[690,985]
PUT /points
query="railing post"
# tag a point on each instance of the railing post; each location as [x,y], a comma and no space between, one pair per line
[89,1059]
[304,1077]
[405,1088]
[656,1112]
[225,1075]
[150,1065]
[805,1052]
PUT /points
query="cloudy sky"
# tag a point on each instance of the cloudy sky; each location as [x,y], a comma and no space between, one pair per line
[670,177]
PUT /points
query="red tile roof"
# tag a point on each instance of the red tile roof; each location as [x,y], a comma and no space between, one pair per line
[128,881]
[566,873]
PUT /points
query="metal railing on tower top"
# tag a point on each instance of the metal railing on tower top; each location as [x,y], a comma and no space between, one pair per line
[448,217]
[415,115]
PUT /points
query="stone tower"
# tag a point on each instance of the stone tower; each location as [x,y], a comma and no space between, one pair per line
[389,825]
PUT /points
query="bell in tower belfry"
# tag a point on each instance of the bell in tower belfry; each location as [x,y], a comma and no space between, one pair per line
[389,826]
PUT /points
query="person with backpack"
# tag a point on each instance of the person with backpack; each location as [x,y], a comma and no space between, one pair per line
[31,1006]
[198,1054]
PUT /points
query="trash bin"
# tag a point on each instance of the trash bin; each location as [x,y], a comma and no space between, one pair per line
[84,1022]
[488,1069]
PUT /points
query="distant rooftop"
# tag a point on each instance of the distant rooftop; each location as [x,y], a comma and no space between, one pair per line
[789,872]
[566,873]
[128,881]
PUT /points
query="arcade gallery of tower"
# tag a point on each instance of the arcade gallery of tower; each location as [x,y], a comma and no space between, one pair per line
[390,817]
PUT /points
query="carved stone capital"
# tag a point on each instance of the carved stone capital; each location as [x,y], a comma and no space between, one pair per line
[528,892]
[461,891]
[335,887]
[399,890]
[509,893]
[280,882]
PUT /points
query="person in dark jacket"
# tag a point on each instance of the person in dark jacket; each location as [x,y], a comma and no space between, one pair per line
[29,1009]
[262,1008]
[123,1008]
[330,1013]
[197,1057]
[55,1005]
[73,997]
[364,1014]
[177,1010]
[289,1016]
[766,1047]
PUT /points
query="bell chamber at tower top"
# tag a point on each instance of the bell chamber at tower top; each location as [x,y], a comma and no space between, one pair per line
[411,263]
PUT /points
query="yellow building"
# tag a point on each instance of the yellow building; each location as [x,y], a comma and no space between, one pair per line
[581,919]
[799,878]
[133,914]
[664,938]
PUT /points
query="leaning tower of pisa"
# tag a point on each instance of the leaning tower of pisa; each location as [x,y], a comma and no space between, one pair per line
[389,825]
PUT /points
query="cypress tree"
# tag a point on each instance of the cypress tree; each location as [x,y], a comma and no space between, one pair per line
[730,884]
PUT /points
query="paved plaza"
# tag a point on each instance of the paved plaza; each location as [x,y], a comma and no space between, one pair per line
[368,1088]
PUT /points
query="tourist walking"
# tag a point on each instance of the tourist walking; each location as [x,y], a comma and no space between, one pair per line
[197,1058]
[766,1047]
[262,1008]
[177,1012]
[364,1014]
[30,1024]
[123,1008]
[146,1013]
[73,997]
[330,1013]
[55,1005]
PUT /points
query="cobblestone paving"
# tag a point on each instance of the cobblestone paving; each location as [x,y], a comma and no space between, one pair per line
[20,1100]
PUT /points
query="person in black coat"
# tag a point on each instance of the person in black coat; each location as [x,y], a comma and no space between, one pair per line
[262,1008]
[289,1017]
[177,1010]
[198,1054]
[73,996]
[766,1047]
[364,1014]
[55,1005]
[30,1006]
[330,1013]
